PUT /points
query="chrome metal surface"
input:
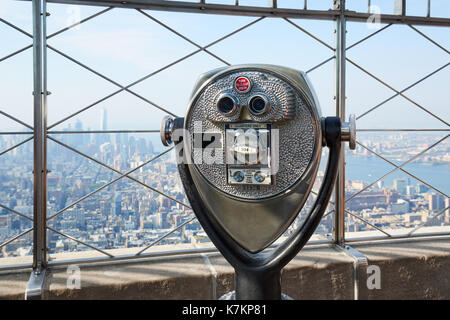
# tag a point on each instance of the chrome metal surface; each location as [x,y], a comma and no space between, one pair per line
[253,11]
[348,132]
[267,105]
[360,291]
[166,130]
[269,210]
[40,146]
[35,285]
[307,132]
[235,109]
[340,74]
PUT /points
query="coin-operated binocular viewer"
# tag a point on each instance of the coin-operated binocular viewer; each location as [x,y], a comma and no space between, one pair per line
[248,150]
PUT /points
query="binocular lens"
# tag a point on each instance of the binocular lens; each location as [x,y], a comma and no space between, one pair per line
[226,105]
[258,105]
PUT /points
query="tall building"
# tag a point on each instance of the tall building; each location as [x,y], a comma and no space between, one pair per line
[104,137]
[435,202]
[78,139]
[410,190]
[400,186]
[421,188]
[103,119]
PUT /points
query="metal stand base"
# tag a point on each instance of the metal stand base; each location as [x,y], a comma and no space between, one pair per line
[257,285]
[35,285]
[359,272]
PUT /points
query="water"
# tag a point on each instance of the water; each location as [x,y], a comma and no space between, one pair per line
[369,169]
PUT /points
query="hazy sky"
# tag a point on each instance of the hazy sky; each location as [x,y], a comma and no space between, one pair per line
[125,45]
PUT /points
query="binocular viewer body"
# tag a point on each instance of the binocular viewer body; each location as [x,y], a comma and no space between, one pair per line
[248,150]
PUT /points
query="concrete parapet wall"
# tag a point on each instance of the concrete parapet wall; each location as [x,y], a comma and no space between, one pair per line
[413,269]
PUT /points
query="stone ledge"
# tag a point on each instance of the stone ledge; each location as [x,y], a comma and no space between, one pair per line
[413,269]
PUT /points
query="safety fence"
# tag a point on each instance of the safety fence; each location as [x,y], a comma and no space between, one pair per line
[337,222]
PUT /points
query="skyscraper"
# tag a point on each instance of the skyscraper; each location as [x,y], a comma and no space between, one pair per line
[400,185]
[103,119]
[103,137]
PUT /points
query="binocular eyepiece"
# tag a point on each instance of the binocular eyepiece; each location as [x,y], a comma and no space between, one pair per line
[228,104]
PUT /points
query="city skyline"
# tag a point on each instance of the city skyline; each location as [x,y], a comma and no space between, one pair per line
[128,215]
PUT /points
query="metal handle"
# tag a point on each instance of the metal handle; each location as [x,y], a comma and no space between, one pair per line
[166,130]
[348,132]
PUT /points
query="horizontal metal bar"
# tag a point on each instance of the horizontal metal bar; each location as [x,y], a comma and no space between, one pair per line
[101,131]
[397,237]
[401,130]
[7,268]
[14,133]
[149,255]
[206,8]
[128,257]
[237,10]
[395,19]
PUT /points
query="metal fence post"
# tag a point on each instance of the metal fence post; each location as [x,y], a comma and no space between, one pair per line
[35,284]
[340,37]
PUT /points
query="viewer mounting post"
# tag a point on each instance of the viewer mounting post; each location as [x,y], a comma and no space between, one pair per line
[339,194]
[34,287]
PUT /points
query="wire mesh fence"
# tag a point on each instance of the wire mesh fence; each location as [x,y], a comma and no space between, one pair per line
[110,186]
